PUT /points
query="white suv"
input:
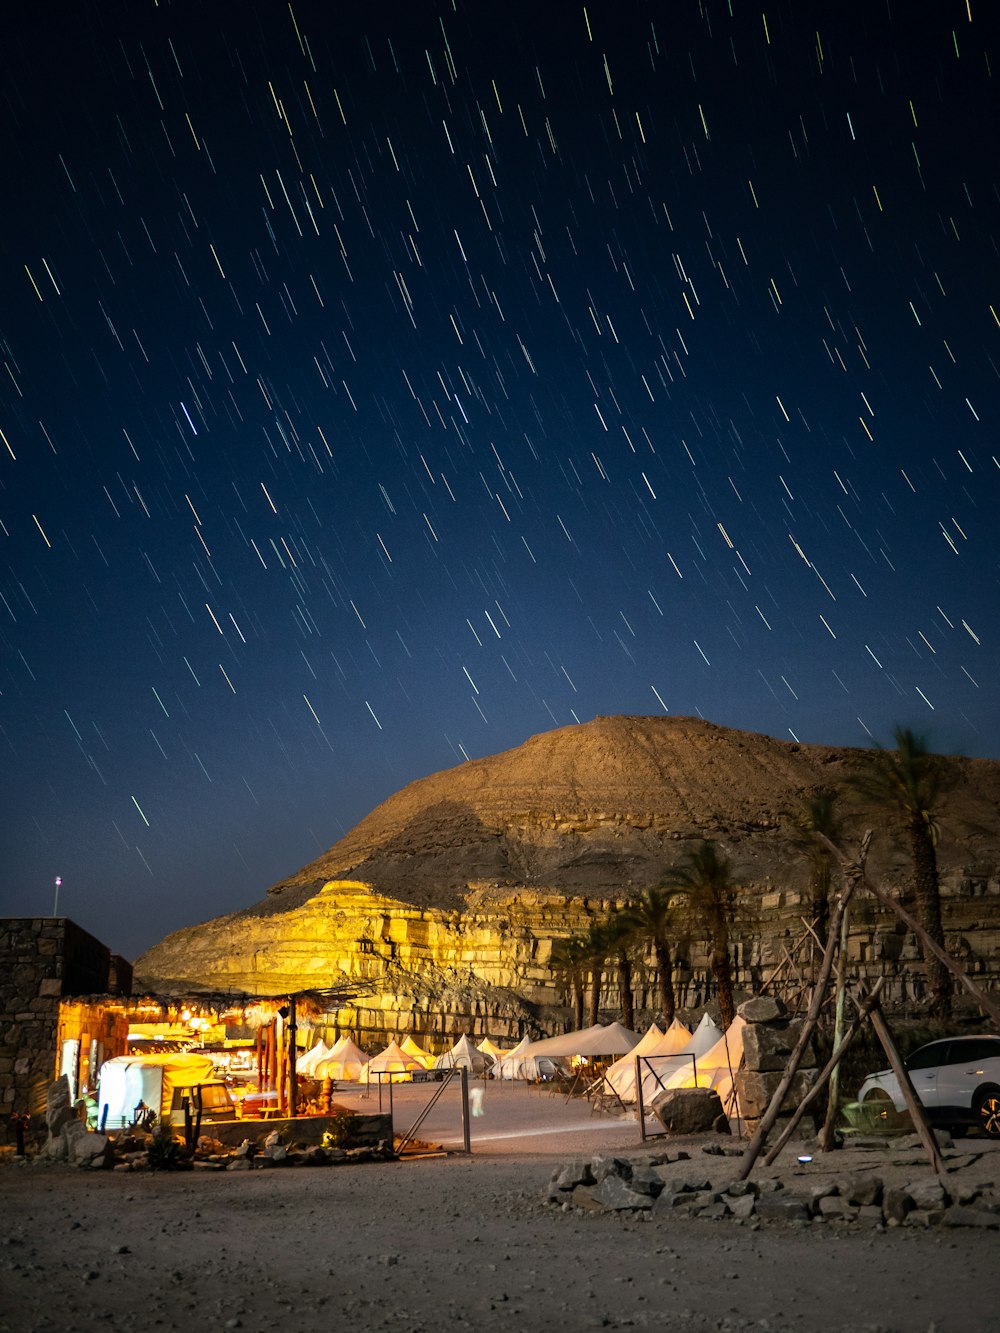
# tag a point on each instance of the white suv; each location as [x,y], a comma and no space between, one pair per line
[957,1079]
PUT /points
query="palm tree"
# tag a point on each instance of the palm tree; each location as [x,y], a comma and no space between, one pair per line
[703,881]
[818,814]
[569,961]
[910,782]
[595,954]
[619,933]
[652,913]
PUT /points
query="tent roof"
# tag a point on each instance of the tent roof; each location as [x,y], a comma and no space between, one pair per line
[178,1060]
[463,1053]
[704,1037]
[307,1062]
[393,1057]
[612,1039]
[490,1048]
[411,1047]
[344,1061]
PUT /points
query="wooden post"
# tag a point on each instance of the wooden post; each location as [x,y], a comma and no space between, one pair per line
[281,1071]
[829,1069]
[293,1090]
[913,1103]
[769,1117]
[832,1107]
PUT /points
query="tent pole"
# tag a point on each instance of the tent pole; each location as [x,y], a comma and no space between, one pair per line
[466,1132]
[640,1106]
[826,1137]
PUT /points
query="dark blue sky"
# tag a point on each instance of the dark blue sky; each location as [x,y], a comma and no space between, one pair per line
[383,384]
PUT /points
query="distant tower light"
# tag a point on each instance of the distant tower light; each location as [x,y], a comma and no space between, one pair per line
[55,904]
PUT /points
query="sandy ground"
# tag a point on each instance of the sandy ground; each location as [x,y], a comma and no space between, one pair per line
[466,1242]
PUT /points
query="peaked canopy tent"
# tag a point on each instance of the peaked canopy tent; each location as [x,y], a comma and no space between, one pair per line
[601,1039]
[344,1061]
[463,1055]
[657,1046]
[664,1066]
[490,1049]
[306,1064]
[391,1065]
[411,1048]
[517,1064]
[717,1067]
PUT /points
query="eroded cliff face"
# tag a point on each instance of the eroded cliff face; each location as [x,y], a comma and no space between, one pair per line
[445,901]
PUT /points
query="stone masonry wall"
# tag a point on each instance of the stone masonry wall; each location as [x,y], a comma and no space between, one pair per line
[42,959]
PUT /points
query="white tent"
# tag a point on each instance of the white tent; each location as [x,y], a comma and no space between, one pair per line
[716,1067]
[391,1065]
[463,1055]
[344,1061]
[126,1081]
[306,1064]
[411,1048]
[491,1050]
[601,1039]
[517,1064]
[706,1034]
[654,1046]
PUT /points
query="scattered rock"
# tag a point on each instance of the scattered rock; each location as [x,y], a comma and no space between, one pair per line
[782,1208]
[929,1193]
[959,1215]
[862,1190]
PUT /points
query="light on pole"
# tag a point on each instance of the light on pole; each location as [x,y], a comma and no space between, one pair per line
[55,904]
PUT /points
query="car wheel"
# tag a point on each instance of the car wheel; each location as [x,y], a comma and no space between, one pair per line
[987,1108]
[880,1110]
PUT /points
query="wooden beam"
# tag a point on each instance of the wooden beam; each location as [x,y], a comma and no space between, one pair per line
[769,1117]
[831,1066]
[913,1102]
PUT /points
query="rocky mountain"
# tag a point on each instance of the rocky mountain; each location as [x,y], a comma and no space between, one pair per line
[463,878]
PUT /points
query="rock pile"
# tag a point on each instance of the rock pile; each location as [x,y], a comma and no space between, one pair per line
[606,1184]
[768,1040]
[70,1141]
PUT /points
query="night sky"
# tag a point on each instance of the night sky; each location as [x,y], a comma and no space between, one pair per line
[385,383]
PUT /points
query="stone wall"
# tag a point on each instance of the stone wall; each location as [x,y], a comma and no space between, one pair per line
[42,959]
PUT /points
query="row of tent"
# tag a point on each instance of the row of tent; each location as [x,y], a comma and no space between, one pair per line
[707,1057]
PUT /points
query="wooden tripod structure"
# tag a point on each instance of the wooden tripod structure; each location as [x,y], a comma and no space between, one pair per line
[869,1010]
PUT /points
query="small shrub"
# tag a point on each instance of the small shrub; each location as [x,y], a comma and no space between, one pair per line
[164,1152]
[341,1129]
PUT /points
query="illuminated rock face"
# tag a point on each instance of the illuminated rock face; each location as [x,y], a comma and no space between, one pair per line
[447,897]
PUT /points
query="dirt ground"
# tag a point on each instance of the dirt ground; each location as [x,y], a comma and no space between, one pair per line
[467,1242]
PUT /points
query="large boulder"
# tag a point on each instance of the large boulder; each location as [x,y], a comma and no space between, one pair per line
[767,1046]
[92,1150]
[688,1110]
[58,1108]
[755,1090]
[762,1009]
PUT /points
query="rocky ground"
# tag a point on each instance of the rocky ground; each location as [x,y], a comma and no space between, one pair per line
[472,1242]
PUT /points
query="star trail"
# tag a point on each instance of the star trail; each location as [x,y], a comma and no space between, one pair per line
[383,384]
